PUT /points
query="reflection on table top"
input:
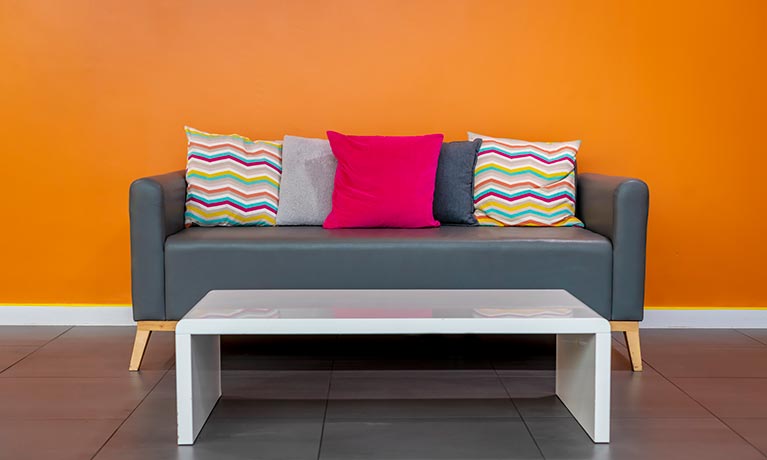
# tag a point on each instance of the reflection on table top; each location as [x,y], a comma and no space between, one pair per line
[389,304]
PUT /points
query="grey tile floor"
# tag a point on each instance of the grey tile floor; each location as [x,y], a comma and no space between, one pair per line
[65,393]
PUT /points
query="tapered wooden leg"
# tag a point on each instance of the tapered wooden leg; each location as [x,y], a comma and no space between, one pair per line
[630,331]
[144,330]
[635,352]
[139,347]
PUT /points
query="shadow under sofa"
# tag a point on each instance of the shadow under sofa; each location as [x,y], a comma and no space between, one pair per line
[603,264]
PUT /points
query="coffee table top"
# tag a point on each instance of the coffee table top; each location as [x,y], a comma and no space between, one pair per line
[390,311]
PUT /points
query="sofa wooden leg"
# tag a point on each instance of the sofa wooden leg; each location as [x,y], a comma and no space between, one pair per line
[139,347]
[632,340]
[630,331]
[144,330]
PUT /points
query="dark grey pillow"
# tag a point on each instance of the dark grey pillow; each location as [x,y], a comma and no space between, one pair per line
[454,187]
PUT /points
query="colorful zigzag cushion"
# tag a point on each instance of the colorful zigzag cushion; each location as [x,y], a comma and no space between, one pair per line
[520,183]
[231,180]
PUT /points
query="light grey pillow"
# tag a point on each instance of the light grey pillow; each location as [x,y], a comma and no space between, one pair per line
[306,186]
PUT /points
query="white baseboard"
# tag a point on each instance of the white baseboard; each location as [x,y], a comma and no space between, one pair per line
[704,318]
[65,315]
[94,315]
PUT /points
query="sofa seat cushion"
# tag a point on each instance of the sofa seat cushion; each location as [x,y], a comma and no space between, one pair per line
[201,259]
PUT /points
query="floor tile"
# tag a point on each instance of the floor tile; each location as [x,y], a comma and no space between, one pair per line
[411,364]
[707,362]
[514,373]
[620,361]
[634,394]
[166,388]
[756,334]
[648,394]
[29,336]
[391,397]
[94,352]
[753,429]
[261,395]
[53,439]
[534,393]
[563,438]
[241,403]
[258,363]
[641,439]
[529,385]
[9,355]
[73,398]
[101,333]
[696,339]
[428,439]
[728,397]
[286,439]
[273,395]
[150,433]
[459,384]
[535,362]
[276,384]
[379,409]
[255,409]
[541,406]
[260,385]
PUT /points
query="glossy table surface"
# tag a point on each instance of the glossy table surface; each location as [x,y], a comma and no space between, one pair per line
[390,311]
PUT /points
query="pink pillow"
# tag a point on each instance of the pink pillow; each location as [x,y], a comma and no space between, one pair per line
[384,181]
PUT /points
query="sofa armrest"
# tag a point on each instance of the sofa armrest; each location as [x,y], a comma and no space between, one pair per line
[616,207]
[156,211]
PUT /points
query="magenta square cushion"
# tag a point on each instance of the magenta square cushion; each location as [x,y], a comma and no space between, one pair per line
[384,181]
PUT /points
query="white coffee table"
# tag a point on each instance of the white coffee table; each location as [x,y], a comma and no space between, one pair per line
[583,337]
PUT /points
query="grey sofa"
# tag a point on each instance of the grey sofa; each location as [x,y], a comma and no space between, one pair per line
[603,265]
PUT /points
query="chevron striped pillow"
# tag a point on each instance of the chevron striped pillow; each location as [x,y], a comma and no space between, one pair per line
[231,180]
[519,183]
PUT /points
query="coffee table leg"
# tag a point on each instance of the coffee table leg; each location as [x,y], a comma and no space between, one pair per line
[198,382]
[583,380]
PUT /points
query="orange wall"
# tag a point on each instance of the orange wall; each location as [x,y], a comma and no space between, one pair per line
[95,94]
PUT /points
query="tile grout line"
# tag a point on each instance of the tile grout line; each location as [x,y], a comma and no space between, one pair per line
[623,347]
[327,403]
[704,407]
[114,432]
[750,337]
[37,349]
[696,401]
[722,378]
[701,404]
[521,417]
